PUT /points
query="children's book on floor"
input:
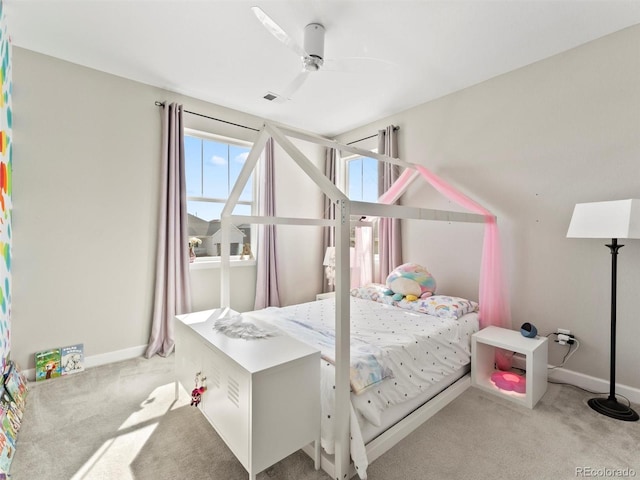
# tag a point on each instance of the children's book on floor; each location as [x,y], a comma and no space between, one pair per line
[48,364]
[15,384]
[72,359]
[7,449]
[13,394]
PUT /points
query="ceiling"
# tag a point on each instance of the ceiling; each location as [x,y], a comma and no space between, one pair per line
[219,52]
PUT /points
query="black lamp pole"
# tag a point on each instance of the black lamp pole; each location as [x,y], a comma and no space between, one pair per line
[610,406]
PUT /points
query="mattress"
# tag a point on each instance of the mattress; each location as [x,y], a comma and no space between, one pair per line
[395,413]
[399,359]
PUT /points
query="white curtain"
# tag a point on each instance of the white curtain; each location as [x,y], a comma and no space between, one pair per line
[362,274]
[389,236]
[172,289]
[267,294]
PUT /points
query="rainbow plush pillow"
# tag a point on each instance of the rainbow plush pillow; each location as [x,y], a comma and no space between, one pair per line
[410,281]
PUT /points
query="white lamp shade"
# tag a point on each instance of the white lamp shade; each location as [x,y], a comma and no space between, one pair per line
[613,219]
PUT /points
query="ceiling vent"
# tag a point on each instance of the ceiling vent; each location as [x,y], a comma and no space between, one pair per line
[271,96]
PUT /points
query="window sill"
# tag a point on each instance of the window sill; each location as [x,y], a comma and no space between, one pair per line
[205,263]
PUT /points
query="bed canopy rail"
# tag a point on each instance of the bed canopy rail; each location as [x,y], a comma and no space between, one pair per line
[370,210]
[412,213]
[313,138]
[345,209]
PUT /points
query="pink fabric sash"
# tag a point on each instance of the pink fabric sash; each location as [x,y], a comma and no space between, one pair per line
[494,306]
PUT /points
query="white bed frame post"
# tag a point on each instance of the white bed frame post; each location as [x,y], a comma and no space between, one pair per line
[343,335]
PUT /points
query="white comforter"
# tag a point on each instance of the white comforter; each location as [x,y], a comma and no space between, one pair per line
[411,351]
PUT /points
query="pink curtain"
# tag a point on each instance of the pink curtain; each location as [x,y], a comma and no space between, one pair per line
[173,288]
[494,306]
[267,294]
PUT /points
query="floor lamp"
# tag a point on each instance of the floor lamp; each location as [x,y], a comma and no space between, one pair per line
[615,219]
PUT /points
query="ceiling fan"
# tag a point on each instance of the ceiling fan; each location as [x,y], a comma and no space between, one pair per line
[312,55]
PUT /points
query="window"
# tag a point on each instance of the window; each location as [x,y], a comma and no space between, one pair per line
[212,166]
[362,186]
[362,179]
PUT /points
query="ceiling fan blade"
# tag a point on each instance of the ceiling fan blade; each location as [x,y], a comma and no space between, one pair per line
[295,84]
[277,31]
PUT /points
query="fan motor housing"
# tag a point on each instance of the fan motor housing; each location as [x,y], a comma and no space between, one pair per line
[314,40]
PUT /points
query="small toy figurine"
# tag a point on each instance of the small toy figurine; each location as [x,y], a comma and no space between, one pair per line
[196,396]
[246,250]
[196,393]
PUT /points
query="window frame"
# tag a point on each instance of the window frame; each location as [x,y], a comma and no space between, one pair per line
[213,261]
[342,182]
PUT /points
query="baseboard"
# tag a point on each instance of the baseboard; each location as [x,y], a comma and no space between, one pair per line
[581,380]
[102,359]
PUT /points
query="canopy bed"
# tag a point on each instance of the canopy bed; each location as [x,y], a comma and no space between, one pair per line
[364,424]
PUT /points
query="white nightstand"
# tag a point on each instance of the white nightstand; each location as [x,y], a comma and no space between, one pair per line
[483,345]
[323,296]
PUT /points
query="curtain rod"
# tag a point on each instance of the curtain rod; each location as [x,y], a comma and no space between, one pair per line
[370,136]
[161,104]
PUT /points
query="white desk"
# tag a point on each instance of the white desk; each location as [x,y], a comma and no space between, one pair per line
[263,395]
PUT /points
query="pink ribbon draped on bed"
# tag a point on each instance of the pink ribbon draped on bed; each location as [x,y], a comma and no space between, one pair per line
[494,307]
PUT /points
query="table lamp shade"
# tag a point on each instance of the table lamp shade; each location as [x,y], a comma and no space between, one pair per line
[613,219]
[330,257]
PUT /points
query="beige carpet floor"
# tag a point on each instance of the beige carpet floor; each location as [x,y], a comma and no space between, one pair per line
[120,422]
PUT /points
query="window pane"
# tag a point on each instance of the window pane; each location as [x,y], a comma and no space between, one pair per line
[216,169]
[205,211]
[363,179]
[212,168]
[242,210]
[369,179]
[237,157]
[193,165]
[355,179]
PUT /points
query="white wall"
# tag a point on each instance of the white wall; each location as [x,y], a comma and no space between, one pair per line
[85,194]
[529,145]
[299,247]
